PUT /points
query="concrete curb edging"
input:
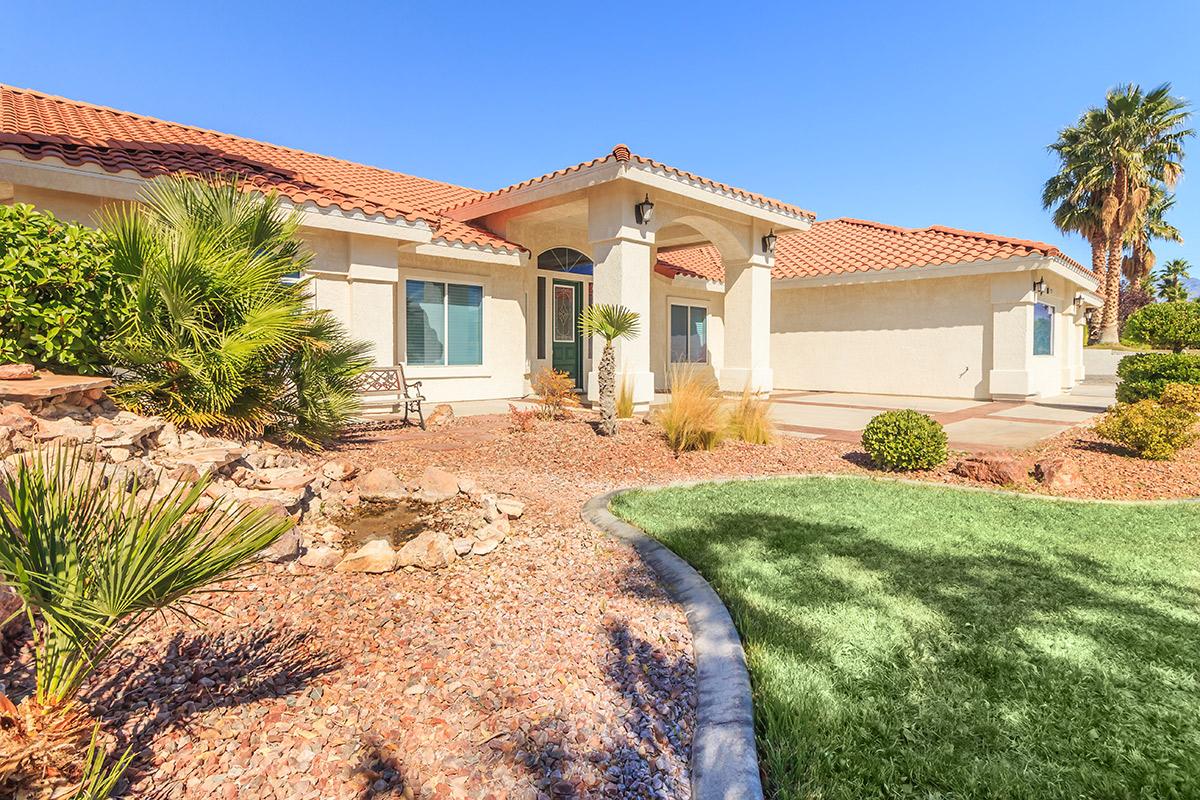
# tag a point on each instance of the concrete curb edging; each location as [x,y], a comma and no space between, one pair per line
[724,762]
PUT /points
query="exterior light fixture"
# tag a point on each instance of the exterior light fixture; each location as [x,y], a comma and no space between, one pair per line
[1078,300]
[768,242]
[643,212]
[1039,286]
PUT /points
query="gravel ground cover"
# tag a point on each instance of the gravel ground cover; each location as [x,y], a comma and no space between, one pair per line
[557,667]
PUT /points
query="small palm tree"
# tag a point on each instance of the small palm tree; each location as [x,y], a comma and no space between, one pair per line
[611,322]
[91,564]
[1171,287]
[219,334]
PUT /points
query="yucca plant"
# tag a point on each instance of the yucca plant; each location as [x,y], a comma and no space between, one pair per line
[91,564]
[610,322]
[219,334]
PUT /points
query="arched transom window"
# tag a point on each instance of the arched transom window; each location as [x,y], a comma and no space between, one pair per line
[564,259]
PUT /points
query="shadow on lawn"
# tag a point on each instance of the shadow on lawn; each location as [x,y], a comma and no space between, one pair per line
[199,673]
[1037,673]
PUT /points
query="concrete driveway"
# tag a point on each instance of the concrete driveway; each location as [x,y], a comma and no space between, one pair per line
[973,425]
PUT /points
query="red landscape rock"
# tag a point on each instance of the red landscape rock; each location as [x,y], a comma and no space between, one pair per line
[1059,473]
[1002,470]
[17,372]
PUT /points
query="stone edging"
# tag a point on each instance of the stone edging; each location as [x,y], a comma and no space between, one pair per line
[724,762]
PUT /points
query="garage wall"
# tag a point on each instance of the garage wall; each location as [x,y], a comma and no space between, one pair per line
[929,336]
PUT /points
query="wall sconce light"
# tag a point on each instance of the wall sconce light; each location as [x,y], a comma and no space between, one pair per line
[643,212]
[768,242]
[1088,315]
[1039,286]
[1078,301]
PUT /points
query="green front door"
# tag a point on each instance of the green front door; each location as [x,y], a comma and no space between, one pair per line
[566,304]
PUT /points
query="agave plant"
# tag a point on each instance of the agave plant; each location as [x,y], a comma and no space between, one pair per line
[220,333]
[90,565]
[610,322]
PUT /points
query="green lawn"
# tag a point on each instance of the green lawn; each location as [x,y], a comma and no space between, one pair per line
[925,642]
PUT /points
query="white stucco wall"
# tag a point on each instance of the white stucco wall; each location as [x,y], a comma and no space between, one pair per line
[928,337]
[967,336]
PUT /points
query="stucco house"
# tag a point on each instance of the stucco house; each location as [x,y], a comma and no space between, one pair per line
[474,291]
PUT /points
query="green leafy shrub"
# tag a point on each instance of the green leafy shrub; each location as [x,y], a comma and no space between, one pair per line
[59,296]
[218,336]
[1183,395]
[1143,376]
[1152,429]
[1173,326]
[905,440]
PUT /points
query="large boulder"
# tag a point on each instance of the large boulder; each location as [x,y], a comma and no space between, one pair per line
[380,483]
[1002,470]
[375,556]
[438,485]
[430,550]
[1058,473]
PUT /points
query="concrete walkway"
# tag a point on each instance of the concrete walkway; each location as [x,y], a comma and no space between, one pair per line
[975,425]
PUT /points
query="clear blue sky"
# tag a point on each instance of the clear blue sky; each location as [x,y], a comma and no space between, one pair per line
[906,113]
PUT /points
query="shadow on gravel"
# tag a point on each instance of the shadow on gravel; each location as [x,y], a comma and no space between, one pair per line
[380,770]
[199,673]
[648,743]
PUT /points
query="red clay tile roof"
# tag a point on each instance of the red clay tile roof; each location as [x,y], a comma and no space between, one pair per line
[39,125]
[841,246]
[622,153]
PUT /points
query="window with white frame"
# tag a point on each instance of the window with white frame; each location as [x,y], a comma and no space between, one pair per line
[443,323]
[689,334]
[1043,329]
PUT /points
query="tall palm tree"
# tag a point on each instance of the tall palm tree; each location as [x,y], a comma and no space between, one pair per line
[610,322]
[1110,160]
[1171,279]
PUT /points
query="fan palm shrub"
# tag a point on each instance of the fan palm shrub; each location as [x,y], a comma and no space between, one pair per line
[609,322]
[91,564]
[219,334]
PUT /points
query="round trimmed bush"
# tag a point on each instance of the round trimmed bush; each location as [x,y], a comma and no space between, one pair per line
[905,440]
[1144,376]
[1174,326]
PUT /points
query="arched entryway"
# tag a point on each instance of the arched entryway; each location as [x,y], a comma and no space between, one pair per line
[562,295]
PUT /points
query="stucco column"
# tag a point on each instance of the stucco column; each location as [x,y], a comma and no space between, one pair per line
[1070,346]
[622,252]
[747,328]
[1012,337]
[622,277]
[373,276]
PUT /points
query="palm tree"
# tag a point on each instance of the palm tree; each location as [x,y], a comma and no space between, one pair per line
[90,565]
[611,322]
[219,334]
[1171,287]
[1150,226]
[1109,161]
